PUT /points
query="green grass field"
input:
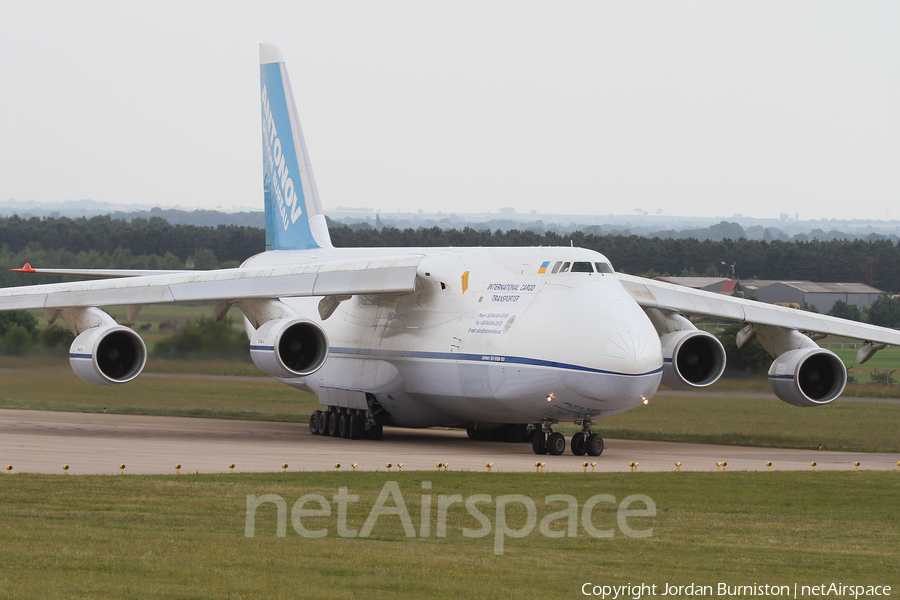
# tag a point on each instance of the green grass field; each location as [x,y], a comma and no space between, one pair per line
[886,359]
[260,398]
[184,536]
[761,384]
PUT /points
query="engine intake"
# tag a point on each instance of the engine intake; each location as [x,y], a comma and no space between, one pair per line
[691,359]
[808,377]
[108,355]
[289,348]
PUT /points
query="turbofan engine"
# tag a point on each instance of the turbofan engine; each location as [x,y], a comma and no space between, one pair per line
[108,355]
[289,347]
[691,359]
[808,377]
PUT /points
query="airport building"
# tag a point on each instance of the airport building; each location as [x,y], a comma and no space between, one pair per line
[802,293]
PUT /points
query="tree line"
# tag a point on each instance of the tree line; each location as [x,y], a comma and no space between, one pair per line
[102,242]
[876,263]
[153,236]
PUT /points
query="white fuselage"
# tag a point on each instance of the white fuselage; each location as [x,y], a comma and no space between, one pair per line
[488,337]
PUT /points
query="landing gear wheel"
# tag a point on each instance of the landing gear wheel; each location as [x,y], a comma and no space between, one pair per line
[323,423]
[357,427]
[314,422]
[577,444]
[334,429]
[539,442]
[556,444]
[344,425]
[594,445]
[376,432]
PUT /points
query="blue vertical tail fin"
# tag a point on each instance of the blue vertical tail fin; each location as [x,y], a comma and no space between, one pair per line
[294,217]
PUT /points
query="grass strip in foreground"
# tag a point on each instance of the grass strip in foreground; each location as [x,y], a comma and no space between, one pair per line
[184,536]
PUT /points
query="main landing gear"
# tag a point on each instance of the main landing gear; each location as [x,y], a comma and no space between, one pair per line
[546,441]
[345,423]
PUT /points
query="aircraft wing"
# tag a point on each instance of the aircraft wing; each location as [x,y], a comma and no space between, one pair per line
[96,273]
[649,293]
[381,276]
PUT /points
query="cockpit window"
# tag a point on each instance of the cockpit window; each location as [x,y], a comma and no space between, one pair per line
[582,267]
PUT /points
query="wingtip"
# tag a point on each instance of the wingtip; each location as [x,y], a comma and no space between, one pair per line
[26,269]
[269,53]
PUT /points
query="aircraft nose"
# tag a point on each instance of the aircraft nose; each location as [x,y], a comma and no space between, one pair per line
[632,351]
[630,364]
[634,358]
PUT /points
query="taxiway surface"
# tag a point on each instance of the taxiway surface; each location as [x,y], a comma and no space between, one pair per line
[43,441]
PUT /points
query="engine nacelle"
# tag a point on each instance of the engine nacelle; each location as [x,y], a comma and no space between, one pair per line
[108,355]
[808,377]
[289,347]
[691,359]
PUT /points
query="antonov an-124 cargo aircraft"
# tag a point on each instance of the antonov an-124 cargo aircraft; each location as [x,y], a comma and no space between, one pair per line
[505,342]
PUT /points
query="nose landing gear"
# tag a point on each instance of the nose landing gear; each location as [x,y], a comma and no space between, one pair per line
[545,441]
[586,442]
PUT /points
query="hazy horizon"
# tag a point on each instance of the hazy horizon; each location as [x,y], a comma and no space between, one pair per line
[639,222]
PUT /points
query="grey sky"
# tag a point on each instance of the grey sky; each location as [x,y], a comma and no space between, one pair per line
[700,108]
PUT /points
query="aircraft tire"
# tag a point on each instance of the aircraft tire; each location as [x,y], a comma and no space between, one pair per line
[578,444]
[594,445]
[314,422]
[556,444]
[357,427]
[344,425]
[334,429]
[323,423]
[539,442]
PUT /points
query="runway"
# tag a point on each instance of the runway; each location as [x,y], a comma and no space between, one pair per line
[43,441]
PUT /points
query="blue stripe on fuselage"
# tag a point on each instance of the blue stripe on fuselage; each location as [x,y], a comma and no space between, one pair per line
[480,358]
